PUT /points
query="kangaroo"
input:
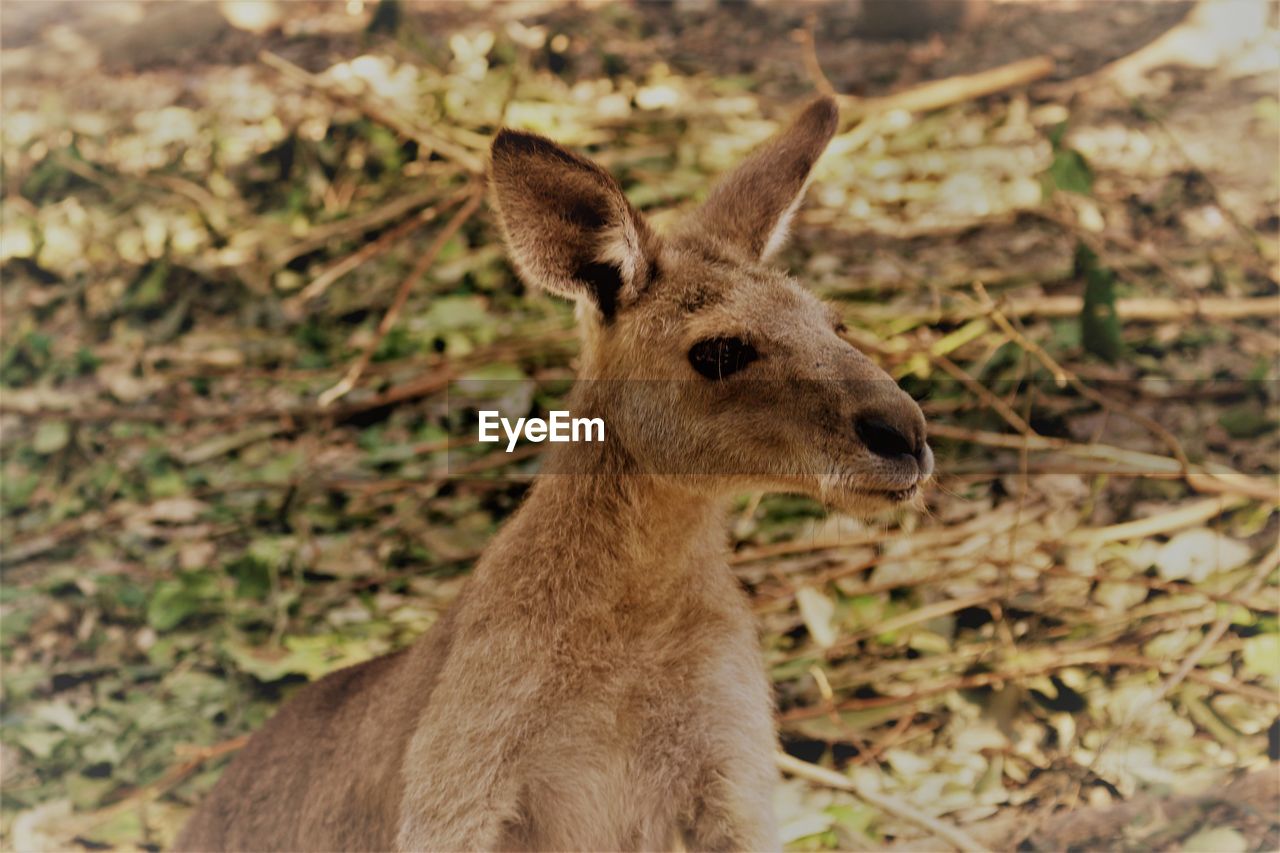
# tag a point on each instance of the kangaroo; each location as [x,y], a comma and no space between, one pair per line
[598,683]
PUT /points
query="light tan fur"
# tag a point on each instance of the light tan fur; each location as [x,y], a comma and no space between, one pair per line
[598,684]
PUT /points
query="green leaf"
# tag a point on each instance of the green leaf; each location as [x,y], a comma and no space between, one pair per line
[166,485]
[1070,172]
[855,818]
[1262,655]
[174,600]
[1056,134]
[312,657]
[28,357]
[149,291]
[40,744]
[121,829]
[253,577]
[804,826]
[50,437]
[16,485]
[397,343]
[171,602]
[1099,322]
[87,793]
[450,313]
[1246,420]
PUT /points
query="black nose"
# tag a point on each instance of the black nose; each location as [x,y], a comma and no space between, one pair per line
[884,439]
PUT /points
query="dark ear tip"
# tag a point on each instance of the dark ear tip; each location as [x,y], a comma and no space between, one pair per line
[510,146]
[823,113]
[510,142]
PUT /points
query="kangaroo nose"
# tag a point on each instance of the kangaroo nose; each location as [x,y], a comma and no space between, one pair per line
[884,439]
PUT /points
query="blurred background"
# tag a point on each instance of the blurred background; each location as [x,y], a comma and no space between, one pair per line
[243,255]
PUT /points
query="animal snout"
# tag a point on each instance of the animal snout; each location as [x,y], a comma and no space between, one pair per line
[896,436]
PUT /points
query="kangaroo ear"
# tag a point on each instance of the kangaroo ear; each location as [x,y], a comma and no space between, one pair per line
[569,227]
[752,206]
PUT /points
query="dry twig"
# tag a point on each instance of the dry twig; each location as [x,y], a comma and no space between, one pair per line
[1261,572]
[321,235]
[983,393]
[164,784]
[1165,522]
[332,273]
[371,106]
[953,835]
[1064,377]
[402,295]
[937,94]
[1139,310]
[1210,479]
[809,52]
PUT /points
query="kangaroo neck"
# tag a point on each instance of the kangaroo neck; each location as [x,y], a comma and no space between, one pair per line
[592,522]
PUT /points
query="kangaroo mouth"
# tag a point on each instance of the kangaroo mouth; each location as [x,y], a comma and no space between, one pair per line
[895,496]
[860,497]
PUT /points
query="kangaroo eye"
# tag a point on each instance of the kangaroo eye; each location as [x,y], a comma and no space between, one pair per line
[717,358]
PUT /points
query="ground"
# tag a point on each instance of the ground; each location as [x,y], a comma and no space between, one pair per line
[204,228]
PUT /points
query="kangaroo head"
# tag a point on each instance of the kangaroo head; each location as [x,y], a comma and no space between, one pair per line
[744,374]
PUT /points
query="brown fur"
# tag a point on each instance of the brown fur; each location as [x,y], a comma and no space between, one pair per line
[598,685]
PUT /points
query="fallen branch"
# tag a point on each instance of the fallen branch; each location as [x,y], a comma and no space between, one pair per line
[901,809]
[1171,587]
[1101,656]
[424,263]
[82,409]
[911,617]
[1261,572]
[1065,218]
[1165,522]
[352,226]
[321,282]
[1209,478]
[809,53]
[1064,377]
[994,523]
[1256,794]
[937,94]
[982,392]
[161,786]
[1211,34]
[788,548]
[1142,310]
[370,106]
[462,472]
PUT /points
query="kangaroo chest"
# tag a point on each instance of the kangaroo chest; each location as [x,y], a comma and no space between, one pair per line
[632,740]
[585,720]
[627,764]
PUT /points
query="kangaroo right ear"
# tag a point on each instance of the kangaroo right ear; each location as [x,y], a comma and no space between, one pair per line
[569,227]
[751,207]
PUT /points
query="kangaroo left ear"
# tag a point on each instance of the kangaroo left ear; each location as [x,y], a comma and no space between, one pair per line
[568,225]
[751,207]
